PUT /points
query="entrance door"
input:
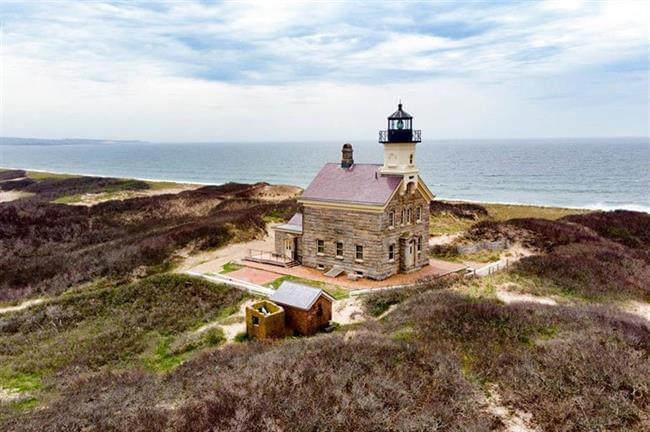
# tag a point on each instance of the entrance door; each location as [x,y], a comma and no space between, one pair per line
[288,248]
[409,255]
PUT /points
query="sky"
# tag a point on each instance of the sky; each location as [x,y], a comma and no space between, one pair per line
[271,70]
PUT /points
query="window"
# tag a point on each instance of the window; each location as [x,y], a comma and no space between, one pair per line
[408,215]
[411,159]
[419,242]
[321,246]
[418,214]
[391,219]
[339,249]
[319,311]
[401,219]
[359,254]
[320,267]
[359,273]
[256,320]
[391,252]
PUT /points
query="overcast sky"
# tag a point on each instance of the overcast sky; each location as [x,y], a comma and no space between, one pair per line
[202,71]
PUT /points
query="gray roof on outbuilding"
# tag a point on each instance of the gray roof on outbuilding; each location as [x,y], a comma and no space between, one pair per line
[297,295]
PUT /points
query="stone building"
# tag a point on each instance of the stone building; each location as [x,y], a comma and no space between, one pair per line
[264,320]
[368,220]
[307,309]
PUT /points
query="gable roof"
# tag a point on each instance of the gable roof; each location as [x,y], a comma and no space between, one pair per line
[297,295]
[360,184]
[294,224]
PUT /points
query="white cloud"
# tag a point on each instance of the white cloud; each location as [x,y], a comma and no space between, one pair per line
[196,71]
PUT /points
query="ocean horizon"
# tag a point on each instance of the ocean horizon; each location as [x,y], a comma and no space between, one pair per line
[593,173]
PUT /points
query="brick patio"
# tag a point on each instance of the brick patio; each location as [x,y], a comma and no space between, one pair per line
[254,275]
[436,268]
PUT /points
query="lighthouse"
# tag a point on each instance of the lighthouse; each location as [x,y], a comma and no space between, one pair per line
[399,141]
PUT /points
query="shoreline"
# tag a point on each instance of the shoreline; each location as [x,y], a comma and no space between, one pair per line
[630,207]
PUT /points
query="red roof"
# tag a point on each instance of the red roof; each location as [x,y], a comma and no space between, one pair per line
[361,184]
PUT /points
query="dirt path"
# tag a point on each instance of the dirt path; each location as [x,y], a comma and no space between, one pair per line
[513,420]
[23,305]
[213,261]
[349,311]
[90,199]
[231,325]
[6,196]
[7,395]
[638,308]
[507,296]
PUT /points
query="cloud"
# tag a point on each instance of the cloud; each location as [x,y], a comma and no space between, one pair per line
[94,55]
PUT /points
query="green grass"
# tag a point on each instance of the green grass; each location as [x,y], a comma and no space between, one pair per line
[448,224]
[20,381]
[68,199]
[36,175]
[275,216]
[230,267]
[501,212]
[241,337]
[335,291]
[23,404]
[163,359]
[162,185]
[484,256]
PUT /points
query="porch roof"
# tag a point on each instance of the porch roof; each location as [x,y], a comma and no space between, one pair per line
[294,225]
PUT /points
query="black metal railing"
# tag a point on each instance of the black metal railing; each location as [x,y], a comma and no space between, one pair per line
[400,135]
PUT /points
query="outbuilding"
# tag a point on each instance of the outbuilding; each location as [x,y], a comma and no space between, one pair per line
[264,320]
[307,309]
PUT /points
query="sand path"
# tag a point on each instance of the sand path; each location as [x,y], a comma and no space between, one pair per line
[513,420]
[6,196]
[23,305]
[213,261]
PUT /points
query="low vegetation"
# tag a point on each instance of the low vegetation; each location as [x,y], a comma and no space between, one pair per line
[147,324]
[47,248]
[456,217]
[114,348]
[586,256]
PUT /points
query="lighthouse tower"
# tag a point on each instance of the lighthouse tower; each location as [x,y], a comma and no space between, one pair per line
[399,142]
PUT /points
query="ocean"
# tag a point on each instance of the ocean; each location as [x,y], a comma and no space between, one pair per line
[580,173]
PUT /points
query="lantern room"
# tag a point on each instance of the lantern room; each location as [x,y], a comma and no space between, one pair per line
[400,128]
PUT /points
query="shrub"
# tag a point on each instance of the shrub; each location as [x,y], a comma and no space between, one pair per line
[460,210]
[11,174]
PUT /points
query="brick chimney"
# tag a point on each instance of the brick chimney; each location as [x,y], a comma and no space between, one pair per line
[346,158]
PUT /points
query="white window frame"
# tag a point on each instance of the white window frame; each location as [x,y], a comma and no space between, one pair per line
[356,253]
[320,247]
[391,219]
[418,214]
